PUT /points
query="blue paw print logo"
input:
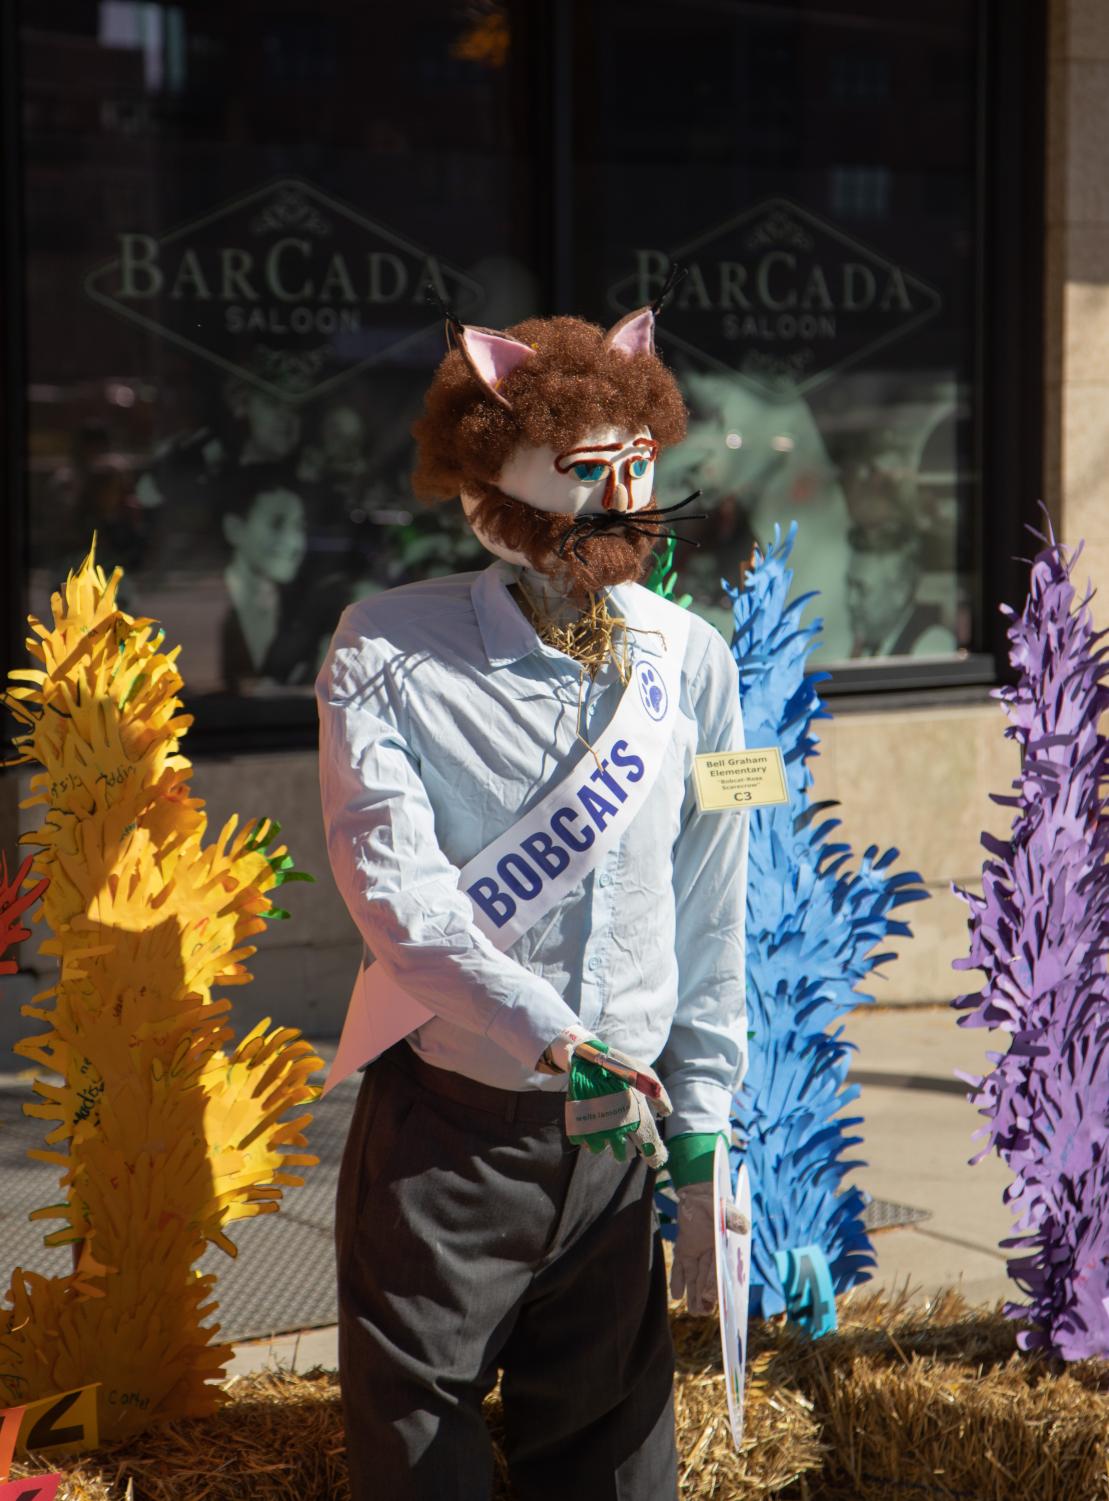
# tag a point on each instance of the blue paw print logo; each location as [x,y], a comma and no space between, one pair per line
[651,690]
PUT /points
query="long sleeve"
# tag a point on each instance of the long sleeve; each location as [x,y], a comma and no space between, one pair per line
[398,885]
[706,1053]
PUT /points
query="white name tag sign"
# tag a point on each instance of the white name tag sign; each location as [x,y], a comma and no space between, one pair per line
[547,853]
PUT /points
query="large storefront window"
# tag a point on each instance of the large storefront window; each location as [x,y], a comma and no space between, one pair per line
[232,214]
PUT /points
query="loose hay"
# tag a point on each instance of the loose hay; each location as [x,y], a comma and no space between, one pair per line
[279,1438]
[926,1403]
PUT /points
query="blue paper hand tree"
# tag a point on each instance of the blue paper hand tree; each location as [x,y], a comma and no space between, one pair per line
[812,926]
[1040,932]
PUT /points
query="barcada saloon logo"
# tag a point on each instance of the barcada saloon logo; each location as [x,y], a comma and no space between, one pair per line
[780,298]
[286,287]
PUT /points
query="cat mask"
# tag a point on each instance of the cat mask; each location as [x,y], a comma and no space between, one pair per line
[549,432]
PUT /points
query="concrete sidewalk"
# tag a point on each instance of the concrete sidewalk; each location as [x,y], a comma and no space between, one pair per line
[917,1138]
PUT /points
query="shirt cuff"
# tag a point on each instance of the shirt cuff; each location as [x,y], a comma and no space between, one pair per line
[530,1023]
[692,1156]
[699,1105]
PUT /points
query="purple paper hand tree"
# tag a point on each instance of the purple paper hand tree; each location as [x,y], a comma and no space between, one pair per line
[1040,932]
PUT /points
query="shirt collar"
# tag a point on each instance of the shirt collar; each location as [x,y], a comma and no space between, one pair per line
[507,634]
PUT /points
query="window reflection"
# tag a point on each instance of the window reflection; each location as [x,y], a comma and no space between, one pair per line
[823,200]
[231,216]
[229,239]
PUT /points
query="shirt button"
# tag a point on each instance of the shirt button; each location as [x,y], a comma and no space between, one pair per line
[606,880]
[594,963]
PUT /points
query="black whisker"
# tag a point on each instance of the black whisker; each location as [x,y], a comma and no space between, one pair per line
[658,536]
[656,523]
[662,527]
[673,537]
[681,505]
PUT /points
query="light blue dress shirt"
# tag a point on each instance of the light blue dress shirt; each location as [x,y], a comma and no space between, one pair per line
[443,717]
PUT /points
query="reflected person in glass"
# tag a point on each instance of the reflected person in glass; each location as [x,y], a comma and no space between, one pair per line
[264,524]
[883,577]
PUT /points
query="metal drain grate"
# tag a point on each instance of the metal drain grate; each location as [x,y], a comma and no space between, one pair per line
[284,1276]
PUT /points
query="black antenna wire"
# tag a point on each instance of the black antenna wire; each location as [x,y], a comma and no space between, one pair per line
[674,278]
[454,323]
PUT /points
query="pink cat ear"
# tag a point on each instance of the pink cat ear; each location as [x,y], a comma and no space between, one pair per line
[492,357]
[634,334]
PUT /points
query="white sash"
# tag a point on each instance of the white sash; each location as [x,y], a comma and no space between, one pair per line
[547,853]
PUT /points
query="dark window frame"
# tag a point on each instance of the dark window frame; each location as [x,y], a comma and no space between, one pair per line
[1010,376]
[13,363]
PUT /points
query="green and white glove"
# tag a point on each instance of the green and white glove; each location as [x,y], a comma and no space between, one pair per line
[693,1273]
[603,1109]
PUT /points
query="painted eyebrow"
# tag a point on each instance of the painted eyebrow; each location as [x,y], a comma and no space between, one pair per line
[604,448]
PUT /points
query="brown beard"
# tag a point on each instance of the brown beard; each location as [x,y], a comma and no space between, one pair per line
[595,563]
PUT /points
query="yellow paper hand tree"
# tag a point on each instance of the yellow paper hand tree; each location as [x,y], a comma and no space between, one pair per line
[165,1131]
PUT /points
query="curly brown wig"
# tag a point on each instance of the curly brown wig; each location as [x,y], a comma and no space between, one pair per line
[573,384]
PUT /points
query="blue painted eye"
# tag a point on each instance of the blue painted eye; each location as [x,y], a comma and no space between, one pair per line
[589,472]
[639,468]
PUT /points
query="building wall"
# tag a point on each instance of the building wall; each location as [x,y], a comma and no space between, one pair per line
[1077,293]
[919,779]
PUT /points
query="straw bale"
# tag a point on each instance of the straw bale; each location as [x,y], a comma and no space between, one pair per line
[935,1402]
[904,1402]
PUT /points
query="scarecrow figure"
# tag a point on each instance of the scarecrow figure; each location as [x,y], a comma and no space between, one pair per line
[554,940]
